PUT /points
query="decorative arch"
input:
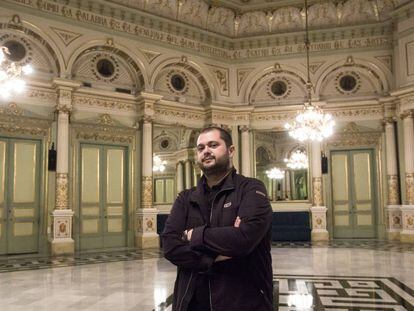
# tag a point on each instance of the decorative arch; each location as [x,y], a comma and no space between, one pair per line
[28,33]
[361,69]
[201,76]
[259,83]
[137,68]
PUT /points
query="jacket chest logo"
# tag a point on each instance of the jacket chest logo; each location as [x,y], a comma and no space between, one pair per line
[226,205]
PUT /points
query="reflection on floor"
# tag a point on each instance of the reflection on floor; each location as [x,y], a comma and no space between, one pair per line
[339,275]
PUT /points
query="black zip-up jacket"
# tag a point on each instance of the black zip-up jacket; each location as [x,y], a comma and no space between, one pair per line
[241,283]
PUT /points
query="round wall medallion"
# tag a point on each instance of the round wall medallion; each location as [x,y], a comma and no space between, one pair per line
[16,49]
[347,82]
[177,82]
[164,143]
[105,67]
[278,88]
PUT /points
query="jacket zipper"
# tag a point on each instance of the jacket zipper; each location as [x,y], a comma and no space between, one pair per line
[211,216]
[186,290]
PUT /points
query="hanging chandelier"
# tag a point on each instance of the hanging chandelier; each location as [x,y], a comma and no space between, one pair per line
[298,160]
[11,74]
[158,164]
[275,173]
[311,123]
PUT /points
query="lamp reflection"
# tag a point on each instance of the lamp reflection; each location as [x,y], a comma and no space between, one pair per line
[300,301]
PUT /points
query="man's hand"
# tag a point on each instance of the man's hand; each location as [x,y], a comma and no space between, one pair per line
[221,257]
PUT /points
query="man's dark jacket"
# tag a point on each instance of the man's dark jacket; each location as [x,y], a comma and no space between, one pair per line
[241,283]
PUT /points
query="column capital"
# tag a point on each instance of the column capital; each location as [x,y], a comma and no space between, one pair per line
[407,114]
[244,128]
[388,120]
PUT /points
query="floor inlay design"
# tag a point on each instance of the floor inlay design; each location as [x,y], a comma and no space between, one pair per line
[9,264]
[341,293]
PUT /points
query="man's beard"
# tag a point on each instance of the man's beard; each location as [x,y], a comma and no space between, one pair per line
[220,166]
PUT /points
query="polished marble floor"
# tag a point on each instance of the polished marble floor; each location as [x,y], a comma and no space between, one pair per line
[339,275]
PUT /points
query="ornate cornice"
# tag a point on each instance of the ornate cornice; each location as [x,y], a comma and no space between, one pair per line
[103,132]
[107,103]
[18,124]
[352,135]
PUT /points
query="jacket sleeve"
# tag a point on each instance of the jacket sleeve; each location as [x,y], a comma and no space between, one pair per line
[256,216]
[178,251]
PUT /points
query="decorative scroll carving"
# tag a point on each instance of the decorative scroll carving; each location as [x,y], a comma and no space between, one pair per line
[317,191]
[62,195]
[393,190]
[353,136]
[12,109]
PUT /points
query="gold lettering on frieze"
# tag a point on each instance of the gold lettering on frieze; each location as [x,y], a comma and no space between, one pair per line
[197,46]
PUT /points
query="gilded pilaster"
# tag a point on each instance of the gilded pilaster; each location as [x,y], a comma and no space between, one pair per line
[317,191]
[146,215]
[62,216]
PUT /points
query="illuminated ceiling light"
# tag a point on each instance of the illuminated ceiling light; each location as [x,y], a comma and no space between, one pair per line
[311,123]
[298,160]
[158,164]
[11,75]
[275,173]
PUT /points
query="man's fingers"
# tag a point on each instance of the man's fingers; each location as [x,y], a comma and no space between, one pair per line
[237,222]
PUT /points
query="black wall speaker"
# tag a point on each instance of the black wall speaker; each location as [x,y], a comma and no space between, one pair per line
[52,159]
[324,164]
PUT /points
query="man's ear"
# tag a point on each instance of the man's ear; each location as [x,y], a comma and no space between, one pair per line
[231,151]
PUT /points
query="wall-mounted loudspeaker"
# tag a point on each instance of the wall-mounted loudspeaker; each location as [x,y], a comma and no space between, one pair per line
[324,164]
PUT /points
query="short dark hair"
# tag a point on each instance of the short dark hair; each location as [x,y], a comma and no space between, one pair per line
[224,135]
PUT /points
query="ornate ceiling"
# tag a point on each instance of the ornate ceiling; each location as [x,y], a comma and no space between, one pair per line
[245,18]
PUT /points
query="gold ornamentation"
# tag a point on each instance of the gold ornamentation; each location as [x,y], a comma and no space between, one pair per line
[12,109]
[98,132]
[409,188]
[179,114]
[103,103]
[42,94]
[146,184]
[62,227]
[106,119]
[352,135]
[62,195]
[317,191]
[244,128]
[396,221]
[13,124]
[409,221]
[393,190]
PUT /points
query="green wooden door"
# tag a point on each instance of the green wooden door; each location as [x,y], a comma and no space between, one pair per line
[103,193]
[19,196]
[353,194]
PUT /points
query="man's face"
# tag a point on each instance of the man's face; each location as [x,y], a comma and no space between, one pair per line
[212,154]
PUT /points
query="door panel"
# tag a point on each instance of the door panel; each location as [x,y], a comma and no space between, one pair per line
[19,196]
[103,197]
[353,194]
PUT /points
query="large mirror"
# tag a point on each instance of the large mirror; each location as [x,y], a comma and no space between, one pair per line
[174,166]
[282,164]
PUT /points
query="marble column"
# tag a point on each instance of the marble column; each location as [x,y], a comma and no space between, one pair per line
[61,241]
[146,215]
[318,210]
[235,138]
[245,152]
[180,177]
[407,210]
[287,183]
[188,173]
[393,200]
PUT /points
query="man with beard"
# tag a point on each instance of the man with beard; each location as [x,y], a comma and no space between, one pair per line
[218,235]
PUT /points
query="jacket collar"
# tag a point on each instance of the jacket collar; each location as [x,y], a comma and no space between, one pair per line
[202,183]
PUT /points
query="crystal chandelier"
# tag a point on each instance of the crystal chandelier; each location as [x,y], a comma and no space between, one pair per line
[298,160]
[11,74]
[311,123]
[158,164]
[275,173]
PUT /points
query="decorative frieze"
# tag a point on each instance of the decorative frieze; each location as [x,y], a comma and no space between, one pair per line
[104,132]
[15,124]
[112,104]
